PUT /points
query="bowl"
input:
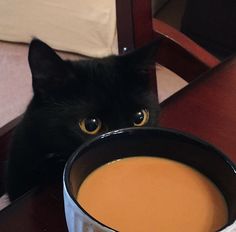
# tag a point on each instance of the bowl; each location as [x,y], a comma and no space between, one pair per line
[156,142]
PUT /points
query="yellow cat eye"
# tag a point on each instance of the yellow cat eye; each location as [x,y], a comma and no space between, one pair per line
[90,126]
[141,118]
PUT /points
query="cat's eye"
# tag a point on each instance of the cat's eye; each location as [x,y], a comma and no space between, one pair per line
[141,118]
[90,125]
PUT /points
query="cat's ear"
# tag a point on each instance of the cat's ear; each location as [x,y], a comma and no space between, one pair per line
[46,66]
[143,57]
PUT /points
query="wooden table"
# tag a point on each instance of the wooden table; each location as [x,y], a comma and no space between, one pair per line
[205,108]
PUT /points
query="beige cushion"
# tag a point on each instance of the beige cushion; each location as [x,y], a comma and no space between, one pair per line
[87,27]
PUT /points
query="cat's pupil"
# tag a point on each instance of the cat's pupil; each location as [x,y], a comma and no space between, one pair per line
[91,124]
[138,117]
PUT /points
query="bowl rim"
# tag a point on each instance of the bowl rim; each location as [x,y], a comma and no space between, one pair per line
[130,131]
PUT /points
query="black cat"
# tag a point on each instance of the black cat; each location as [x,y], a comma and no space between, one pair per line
[74,101]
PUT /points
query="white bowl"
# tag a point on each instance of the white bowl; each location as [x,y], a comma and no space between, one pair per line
[144,142]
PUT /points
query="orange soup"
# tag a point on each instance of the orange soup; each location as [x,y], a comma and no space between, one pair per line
[152,194]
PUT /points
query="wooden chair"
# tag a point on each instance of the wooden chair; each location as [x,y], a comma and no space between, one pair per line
[136,27]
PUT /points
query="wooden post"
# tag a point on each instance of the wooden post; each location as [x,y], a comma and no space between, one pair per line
[134,28]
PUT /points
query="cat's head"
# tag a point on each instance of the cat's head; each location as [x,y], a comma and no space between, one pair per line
[74,100]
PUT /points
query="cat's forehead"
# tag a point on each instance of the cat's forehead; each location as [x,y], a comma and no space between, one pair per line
[94,68]
[107,83]
[109,72]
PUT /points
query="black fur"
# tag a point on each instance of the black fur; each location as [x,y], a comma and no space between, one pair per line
[113,89]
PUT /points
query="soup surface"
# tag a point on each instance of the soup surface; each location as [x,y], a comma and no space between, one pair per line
[152,194]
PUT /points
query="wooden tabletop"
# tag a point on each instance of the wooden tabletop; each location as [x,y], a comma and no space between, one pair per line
[205,108]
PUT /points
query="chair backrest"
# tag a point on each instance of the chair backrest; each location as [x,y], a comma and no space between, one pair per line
[134,24]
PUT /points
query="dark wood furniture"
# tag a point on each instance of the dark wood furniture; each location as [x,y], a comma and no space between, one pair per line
[136,28]
[204,108]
